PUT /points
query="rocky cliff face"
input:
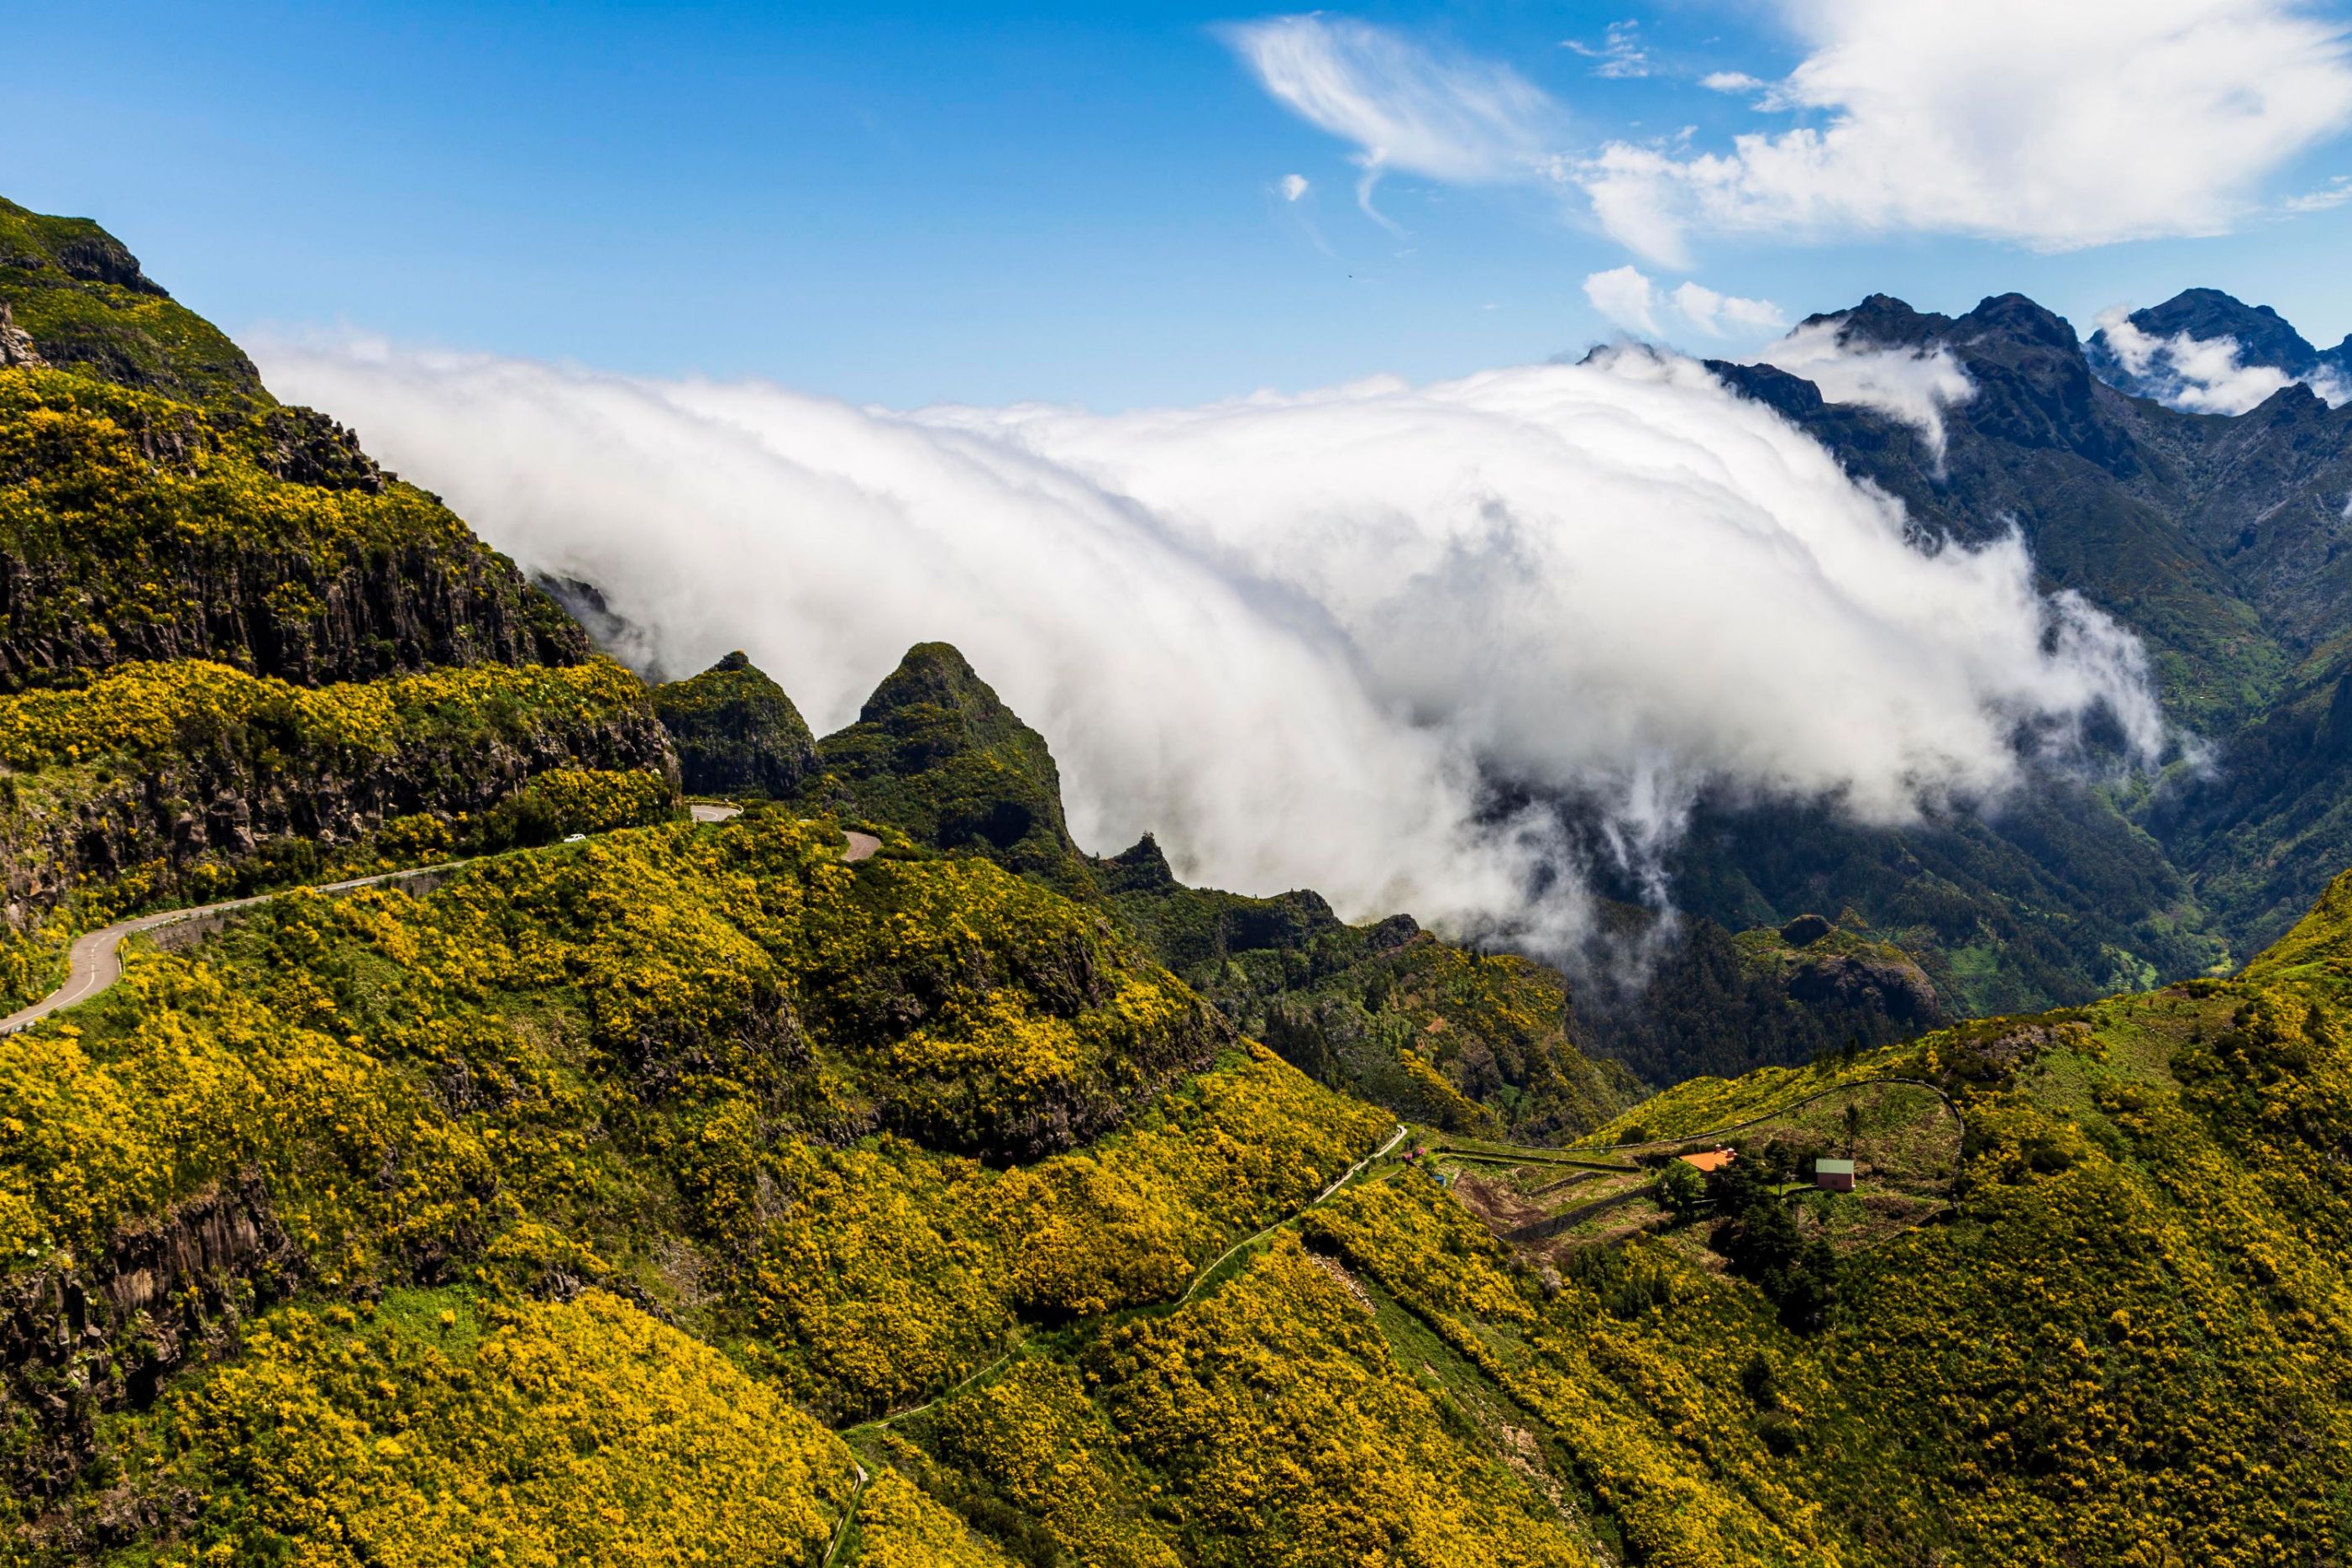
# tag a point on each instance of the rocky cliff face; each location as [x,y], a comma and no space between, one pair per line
[221,803]
[292,615]
[81,1337]
[131,527]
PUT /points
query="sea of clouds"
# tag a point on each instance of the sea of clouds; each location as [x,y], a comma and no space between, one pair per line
[1300,637]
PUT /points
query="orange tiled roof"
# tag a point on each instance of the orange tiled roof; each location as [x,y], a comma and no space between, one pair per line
[1712,1160]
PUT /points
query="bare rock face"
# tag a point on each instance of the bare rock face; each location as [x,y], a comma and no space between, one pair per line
[16,344]
[79,1338]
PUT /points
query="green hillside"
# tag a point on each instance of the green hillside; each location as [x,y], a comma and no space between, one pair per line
[234,651]
[652,1191]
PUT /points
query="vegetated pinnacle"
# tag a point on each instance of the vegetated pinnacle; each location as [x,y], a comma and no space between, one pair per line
[736,731]
[937,673]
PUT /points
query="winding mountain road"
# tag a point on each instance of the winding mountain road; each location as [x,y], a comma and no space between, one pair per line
[95,960]
[861,845]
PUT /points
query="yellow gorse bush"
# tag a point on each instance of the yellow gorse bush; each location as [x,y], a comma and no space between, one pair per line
[540,1434]
[139,708]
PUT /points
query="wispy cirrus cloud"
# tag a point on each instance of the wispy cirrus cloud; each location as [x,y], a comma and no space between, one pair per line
[1405,107]
[2052,127]
[1618,55]
[2334,193]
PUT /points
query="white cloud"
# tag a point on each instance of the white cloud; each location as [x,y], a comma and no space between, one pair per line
[2055,126]
[1292,634]
[1730,82]
[2334,193]
[1618,55]
[1627,297]
[1725,315]
[1293,187]
[1404,107]
[1908,384]
[2203,375]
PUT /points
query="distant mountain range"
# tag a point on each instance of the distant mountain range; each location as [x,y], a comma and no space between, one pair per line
[2221,541]
[2256,336]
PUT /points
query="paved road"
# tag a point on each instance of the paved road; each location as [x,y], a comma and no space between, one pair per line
[93,964]
[861,845]
[95,961]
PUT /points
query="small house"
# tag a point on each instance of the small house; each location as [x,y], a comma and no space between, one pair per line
[1711,1159]
[1833,1175]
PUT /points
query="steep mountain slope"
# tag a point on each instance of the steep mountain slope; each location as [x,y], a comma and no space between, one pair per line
[2223,542]
[688,1194]
[232,650]
[80,302]
[736,732]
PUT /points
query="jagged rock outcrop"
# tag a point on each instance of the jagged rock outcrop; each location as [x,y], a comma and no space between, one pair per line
[1893,987]
[227,800]
[736,731]
[81,1337]
[16,343]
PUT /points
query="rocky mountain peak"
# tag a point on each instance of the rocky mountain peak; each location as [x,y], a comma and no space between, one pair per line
[2264,337]
[2014,318]
[939,674]
[1882,321]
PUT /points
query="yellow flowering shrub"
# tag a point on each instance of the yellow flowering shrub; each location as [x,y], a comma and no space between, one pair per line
[428,1431]
[664,1058]
[135,709]
[899,1527]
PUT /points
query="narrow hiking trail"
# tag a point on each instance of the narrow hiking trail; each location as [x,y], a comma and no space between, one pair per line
[1200,1279]
[95,960]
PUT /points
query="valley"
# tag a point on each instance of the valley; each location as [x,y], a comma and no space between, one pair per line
[469,1103]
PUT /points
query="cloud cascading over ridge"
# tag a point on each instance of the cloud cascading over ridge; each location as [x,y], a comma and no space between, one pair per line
[2051,126]
[2204,375]
[1292,634]
[1913,385]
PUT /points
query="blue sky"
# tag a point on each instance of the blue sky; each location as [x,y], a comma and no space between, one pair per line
[1084,203]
